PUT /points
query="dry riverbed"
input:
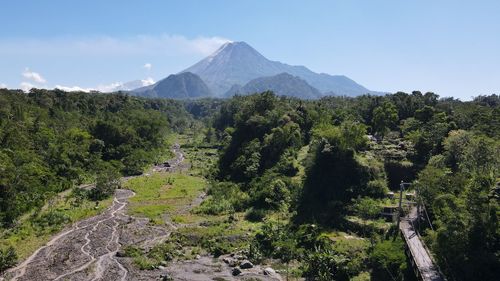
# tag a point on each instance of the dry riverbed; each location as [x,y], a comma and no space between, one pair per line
[90,250]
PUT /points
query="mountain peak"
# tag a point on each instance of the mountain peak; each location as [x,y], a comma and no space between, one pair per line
[235,44]
[235,49]
[238,63]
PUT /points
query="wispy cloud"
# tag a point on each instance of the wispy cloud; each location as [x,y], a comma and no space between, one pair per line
[34,76]
[148,66]
[73,88]
[2,85]
[148,81]
[26,86]
[170,45]
[112,87]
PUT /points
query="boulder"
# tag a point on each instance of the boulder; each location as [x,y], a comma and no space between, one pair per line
[269,271]
[236,271]
[121,254]
[246,264]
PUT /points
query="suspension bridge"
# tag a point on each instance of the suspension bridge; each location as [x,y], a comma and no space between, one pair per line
[420,258]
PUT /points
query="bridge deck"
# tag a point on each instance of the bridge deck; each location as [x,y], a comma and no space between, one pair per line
[421,257]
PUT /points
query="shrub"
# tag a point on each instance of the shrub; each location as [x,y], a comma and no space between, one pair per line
[377,188]
[217,246]
[388,260]
[105,186]
[131,251]
[367,208]
[51,220]
[255,215]
[8,258]
[144,263]
[213,206]
[224,197]
[325,264]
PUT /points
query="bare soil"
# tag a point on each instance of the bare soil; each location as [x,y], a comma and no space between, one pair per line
[87,250]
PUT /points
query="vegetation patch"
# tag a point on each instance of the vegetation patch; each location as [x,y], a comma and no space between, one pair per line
[35,229]
[158,194]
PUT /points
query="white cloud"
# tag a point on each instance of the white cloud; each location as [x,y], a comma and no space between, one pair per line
[101,88]
[148,66]
[34,76]
[165,44]
[110,87]
[26,86]
[2,85]
[148,81]
[73,88]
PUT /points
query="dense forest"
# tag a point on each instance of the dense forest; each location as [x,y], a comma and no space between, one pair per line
[53,140]
[308,170]
[448,149]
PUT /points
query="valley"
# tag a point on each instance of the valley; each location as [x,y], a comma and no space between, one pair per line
[223,140]
[97,248]
[256,187]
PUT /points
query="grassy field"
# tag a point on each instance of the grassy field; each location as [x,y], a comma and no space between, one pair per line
[299,162]
[31,231]
[163,193]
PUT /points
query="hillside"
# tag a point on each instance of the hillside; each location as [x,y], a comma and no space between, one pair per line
[255,187]
[282,84]
[176,86]
[238,63]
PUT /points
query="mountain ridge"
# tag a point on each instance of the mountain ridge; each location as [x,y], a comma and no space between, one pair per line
[184,85]
[238,63]
[283,84]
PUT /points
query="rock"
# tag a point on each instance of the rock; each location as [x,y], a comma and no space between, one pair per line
[268,271]
[240,257]
[165,277]
[198,257]
[236,271]
[164,263]
[120,254]
[246,264]
[233,263]
[229,261]
[161,267]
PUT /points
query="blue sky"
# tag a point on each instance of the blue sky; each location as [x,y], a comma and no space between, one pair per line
[449,47]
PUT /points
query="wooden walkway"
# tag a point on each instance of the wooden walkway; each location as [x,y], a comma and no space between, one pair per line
[420,257]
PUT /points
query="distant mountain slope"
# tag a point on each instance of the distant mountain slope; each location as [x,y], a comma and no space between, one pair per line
[238,63]
[282,84]
[185,85]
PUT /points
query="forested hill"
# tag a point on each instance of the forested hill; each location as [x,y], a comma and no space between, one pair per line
[52,140]
[310,173]
[308,179]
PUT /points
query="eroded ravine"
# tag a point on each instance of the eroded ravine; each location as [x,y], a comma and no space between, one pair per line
[88,250]
[81,253]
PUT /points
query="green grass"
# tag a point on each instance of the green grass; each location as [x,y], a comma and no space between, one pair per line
[26,237]
[218,234]
[201,158]
[163,193]
[300,164]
